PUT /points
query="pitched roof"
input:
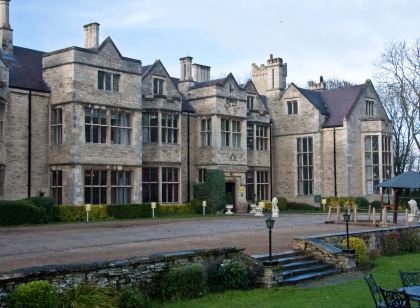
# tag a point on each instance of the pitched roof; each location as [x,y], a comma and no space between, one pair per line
[315,98]
[186,105]
[213,82]
[409,179]
[25,67]
[145,68]
[339,103]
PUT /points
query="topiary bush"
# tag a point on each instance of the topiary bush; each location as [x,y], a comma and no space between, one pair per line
[213,190]
[133,298]
[377,204]
[360,247]
[35,294]
[232,275]
[69,213]
[184,282]
[88,295]
[20,212]
[129,211]
[196,206]
[361,202]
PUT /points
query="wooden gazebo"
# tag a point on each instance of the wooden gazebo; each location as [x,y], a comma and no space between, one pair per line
[408,180]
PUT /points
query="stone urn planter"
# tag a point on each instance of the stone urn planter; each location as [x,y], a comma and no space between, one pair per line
[229,208]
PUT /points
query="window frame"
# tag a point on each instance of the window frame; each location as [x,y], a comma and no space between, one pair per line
[56,186]
[250,144]
[2,119]
[225,132]
[250,185]
[292,107]
[236,133]
[150,184]
[202,175]
[120,129]
[101,186]
[263,184]
[148,130]
[261,137]
[170,185]
[169,128]
[371,165]
[121,191]
[56,125]
[91,126]
[158,85]
[108,82]
[205,132]
[250,102]
[305,166]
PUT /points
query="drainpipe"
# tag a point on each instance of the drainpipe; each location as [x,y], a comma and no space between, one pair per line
[271,161]
[188,158]
[335,165]
[29,141]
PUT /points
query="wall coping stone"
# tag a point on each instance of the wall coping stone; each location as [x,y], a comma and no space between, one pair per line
[325,246]
[62,269]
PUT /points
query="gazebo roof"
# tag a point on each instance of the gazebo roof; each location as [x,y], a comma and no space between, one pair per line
[409,179]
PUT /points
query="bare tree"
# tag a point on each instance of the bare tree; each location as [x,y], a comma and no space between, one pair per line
[399,72]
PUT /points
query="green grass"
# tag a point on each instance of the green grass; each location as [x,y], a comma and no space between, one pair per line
[353,293]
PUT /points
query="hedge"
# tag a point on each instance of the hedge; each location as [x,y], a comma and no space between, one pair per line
[360,202]
[213,190]
[20,212]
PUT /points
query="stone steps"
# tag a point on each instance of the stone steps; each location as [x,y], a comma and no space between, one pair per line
[295,267]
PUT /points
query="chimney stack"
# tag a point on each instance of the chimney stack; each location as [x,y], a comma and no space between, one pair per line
[186,68]
[6,32]
[200,73]
[91,35]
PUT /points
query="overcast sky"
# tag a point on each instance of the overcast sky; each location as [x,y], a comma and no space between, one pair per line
[336,39]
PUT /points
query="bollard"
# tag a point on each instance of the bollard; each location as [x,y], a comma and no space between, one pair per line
[338,213]
[153,205]
[355,213]
[374,217]
[384,216]
[370,208]
[406,217]
[329,213]
[204,207]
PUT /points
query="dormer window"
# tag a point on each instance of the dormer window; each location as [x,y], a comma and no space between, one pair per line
[292,107]
[369,107]
[158,84]
[108,81]
[230,88]
[250,102]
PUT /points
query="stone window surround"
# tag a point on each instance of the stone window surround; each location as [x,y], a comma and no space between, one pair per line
[56,125]
[169,127]
[107,124]
[103,81]
[205,132]
[121,186]
[158,85]
[202,175]
[56,185]
[380,136]
[159,126]
[2,117]
[103,185]
[259,181]
[370,103]
[250,99]
[292,106]
[120,122]
[302,154]
[159,183]
[230,132]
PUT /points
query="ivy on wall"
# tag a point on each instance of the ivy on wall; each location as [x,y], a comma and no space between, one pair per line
[213,190]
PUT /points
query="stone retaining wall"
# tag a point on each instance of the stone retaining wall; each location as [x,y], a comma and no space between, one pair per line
[325,247]
[144,272]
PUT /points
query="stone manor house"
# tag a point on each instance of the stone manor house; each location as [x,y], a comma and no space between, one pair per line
[88,125]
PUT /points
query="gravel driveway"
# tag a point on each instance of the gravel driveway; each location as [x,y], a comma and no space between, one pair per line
[73,243]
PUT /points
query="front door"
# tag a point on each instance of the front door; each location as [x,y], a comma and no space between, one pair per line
[231,194]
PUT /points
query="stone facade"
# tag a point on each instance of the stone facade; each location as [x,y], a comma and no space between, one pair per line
[88,125]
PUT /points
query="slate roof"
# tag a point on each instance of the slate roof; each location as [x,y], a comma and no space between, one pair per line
[336,104]
[339,103]
[409,179]
[26,69]
[145,68]
[214,82]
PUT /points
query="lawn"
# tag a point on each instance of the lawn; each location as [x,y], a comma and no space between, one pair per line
[353,293]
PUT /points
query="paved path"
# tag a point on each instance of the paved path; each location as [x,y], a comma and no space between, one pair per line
[70,243]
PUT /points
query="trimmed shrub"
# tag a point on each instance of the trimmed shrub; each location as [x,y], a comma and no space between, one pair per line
[267,206]
[133,298]
[46,203]
[301,206]
[69,213]
[197,206]
[361,202]
[233,275]
[377,204]
[35,294]
[88,295]
[360,247]
[174,210]
[184,282]
[129,211]
[391,244]
[282,204]
[212,190]
[20,212]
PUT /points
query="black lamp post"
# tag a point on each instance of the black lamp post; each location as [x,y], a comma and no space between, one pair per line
[270,224]
[346,217]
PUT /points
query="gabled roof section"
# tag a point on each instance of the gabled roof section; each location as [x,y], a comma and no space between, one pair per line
[315,98]
[25,69]
[250,87]
[147,69]
[339,103]
[216,82]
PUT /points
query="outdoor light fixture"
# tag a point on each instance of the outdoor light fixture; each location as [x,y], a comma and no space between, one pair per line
[204,207]
[270,224]
[153,206]
[346,217]
[88,209]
